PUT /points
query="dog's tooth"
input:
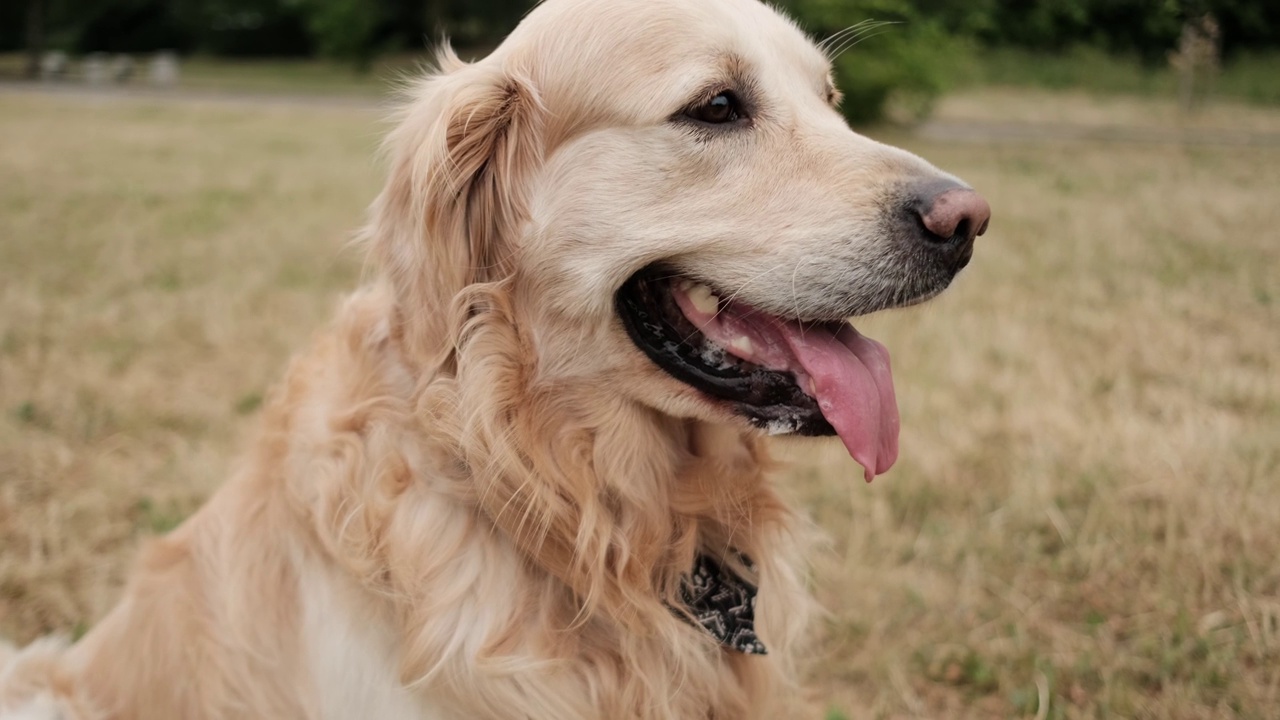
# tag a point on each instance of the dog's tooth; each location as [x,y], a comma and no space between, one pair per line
[703,299]
[743,344]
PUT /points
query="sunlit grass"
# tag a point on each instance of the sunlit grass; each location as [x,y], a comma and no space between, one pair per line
[1087,502]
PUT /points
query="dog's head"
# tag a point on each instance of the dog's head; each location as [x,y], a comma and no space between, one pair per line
[678,213]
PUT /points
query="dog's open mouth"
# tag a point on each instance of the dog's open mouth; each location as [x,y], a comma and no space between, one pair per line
[785,375]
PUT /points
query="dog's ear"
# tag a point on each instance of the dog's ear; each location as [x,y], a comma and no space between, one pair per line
[456,194]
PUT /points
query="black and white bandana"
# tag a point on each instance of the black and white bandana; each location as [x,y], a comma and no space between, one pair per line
[723,603]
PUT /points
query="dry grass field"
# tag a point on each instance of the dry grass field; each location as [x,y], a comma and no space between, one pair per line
[1086,519]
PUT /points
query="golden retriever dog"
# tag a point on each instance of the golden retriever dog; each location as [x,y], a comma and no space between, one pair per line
[524,475]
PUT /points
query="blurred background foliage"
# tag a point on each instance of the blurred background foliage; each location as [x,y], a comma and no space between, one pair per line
[929,46]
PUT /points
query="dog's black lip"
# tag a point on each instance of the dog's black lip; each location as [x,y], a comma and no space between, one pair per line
[768,399]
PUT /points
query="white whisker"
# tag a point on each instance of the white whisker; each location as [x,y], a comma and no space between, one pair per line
[854,28]
[845,46]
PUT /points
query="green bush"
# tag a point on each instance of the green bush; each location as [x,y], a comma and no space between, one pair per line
[894,65]
[342,28]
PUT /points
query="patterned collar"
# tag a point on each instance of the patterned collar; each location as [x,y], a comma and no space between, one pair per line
[722,603]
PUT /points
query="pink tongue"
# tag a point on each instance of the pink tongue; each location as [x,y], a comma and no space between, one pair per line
[846,372]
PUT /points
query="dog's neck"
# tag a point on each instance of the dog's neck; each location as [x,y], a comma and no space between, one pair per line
[468,502]
[617,502]
[613,498]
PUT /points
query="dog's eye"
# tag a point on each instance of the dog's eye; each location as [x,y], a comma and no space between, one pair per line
[723,108]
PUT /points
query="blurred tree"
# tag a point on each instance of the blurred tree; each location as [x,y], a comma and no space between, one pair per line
[885,53]
[485,22]
[435,13]
[247,28]
[123,26]
[1146,28]
[343,28]
[35,36]
[1246,24]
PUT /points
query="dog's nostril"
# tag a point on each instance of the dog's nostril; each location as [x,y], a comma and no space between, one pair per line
[955,212]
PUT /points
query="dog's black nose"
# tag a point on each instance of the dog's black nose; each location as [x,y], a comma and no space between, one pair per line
[951,215]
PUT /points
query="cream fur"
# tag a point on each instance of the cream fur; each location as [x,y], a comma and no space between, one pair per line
[472,496]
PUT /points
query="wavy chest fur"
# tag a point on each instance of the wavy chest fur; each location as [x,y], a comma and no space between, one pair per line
[524,565]
[385,553]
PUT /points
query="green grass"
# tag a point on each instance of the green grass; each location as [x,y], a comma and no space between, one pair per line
[1247,77]
[1253,77]
[293,76]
